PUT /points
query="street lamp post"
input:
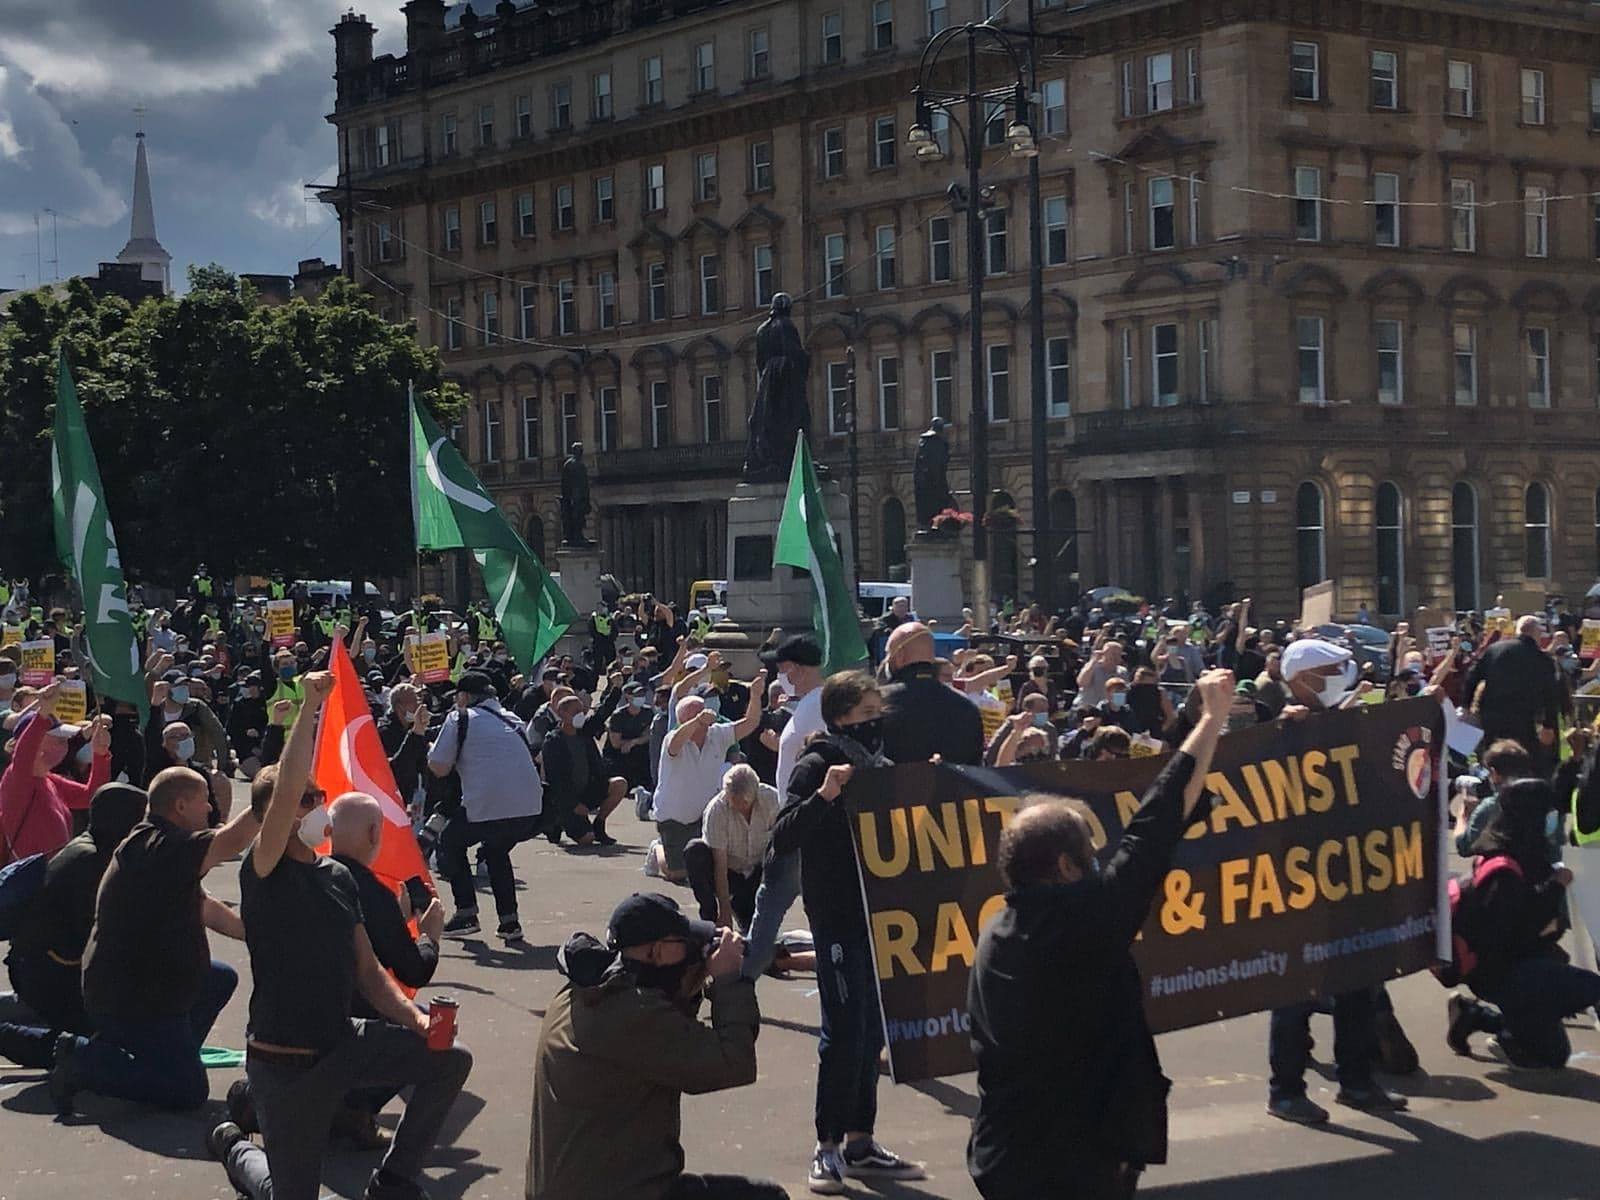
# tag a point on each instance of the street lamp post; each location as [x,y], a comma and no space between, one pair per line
[1044,570]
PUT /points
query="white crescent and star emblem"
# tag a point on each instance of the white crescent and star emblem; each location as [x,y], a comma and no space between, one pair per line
[360,781]
[453,492]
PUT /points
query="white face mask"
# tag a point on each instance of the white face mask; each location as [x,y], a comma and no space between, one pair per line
[1336,687]
[313,830]
[789,686]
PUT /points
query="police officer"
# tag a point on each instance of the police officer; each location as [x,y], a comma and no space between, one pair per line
[200,587]
[488,628]
[699,624]
[277,589]
[602,645]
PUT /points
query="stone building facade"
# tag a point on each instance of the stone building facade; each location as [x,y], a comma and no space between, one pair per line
[1319,279]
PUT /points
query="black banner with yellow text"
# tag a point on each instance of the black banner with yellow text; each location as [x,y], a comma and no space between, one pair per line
[1317,871]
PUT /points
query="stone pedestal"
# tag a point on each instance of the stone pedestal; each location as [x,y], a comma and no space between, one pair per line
[936,593]
[760,595]
[579,567]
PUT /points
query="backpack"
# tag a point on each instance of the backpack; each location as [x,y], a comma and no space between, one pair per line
[20,882]
[1465,912]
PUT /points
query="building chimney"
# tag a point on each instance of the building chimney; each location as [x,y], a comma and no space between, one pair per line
[424,23]
[352,41]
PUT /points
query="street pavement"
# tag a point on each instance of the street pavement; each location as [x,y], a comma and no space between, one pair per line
[1474,1127]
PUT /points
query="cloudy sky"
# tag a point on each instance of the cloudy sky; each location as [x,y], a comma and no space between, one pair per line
[235,93]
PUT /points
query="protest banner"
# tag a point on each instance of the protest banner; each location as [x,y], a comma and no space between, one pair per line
[1318,870]
[429,657]
[1439,639]
[72,702]
[280,622]
[38,663]
[12,636]
[1316,605]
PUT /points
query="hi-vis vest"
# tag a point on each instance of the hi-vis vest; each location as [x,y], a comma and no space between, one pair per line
[602,624]
[202,584]
[277,591]
[292,691]
[699,626]
[5,593]
[327,626]
[485,627]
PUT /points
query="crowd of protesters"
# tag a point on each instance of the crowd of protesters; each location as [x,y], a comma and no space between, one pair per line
[740,780]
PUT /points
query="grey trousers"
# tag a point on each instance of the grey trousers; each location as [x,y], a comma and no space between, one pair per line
[296,1107]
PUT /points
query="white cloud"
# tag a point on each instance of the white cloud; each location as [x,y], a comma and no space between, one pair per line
[44,165]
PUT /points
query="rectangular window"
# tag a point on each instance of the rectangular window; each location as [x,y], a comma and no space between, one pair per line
[833,265]
[452,228]
[705,67]
[883,24]
[448,136]
[711,407]
[883,142]
[652,93]
[761,274]
[705,176]
[999,358]
[1163,365]
[1305,71]
[385,238]
[996,241]
[1205,336]
[566,307]
[833,152]
[1158,82]
[658,291]
[1055,230]
[1128,246]
[606,299]
[452,324]
[490,308]
[491,431]
[1054,97]
[1308,342]
[605,198]
[488,227]
[939,262]
[527,311]
[839,398]
[1058,375]
[761,166]
[525,225]
[1391,365]
[1532,97]
[832,37]
[1459,98]
[942,380]
[939,127]
[524,116]
[1384,72]
[888,393]
[1129,107]
[885,257]
[1464,344]
[485,124]
[1537,342]
[610,423]
[1127,368]
[600,96]
[561,106]
[1386,208]
[1308,204]
[569,419]
[660,414]
[1163,223]
[1191,60]
[566,210]
[938,16]
[994,123]
[1535,222]
[1594,221]
[530,427]
[655,187]
[760,63]
[1194,209]
[710,284]
[1594,104]
[1463,215]
[381,145]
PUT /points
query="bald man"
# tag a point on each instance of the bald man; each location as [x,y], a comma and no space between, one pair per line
[1522,693]
[921,715]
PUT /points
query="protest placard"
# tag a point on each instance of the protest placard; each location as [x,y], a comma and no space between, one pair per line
[11,636]
[38,663]
[72,703]
[1316,604]
[429,656]
[280,622]
[1317,871]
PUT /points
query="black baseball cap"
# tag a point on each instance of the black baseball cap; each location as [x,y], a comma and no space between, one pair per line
[801,649]
[646,917]
[475,683]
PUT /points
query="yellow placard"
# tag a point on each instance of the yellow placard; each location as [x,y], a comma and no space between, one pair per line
[280,622]
[1142,745]
[429,656]
[38,663]
[72,704]
[1591,638]
[11,636]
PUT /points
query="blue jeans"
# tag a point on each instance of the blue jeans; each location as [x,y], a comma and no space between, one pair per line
[780,888]
[1534,997]
[156,1061]
[852,1035]
[1354,1042]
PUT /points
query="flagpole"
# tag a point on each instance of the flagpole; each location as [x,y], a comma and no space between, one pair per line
[411,474]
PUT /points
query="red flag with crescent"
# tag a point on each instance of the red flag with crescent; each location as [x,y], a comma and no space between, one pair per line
[350,758]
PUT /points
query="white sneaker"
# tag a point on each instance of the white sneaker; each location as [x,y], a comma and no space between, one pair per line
[826,1177]
[652,860]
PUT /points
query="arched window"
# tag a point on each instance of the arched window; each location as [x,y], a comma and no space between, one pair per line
[1536,526]
[1464,546]
[533,534]
[1064,529]
[894,538]
[1391,551]
[1005,580]
[1311,536]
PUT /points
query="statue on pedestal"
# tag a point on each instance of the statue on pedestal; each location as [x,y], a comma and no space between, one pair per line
[928,475]
[574,498]
[780,410]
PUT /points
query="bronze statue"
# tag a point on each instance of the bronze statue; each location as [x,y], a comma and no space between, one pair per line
[781,409]
[574,498]
[928,479]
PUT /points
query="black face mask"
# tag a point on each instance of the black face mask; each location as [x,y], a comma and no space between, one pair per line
[667,979]
[866,734]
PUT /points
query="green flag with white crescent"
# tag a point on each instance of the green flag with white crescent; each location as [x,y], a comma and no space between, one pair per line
[805,540]
[87,548]
[533,611]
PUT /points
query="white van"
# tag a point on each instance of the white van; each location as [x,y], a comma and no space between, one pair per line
[876,597]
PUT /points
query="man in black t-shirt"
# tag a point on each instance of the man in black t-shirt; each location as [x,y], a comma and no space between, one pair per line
[309,953]
[628,736]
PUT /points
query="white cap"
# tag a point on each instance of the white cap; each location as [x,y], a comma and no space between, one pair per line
[694,662]
[1307,654]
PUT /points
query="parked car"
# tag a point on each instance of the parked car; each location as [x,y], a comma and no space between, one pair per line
[1369,644]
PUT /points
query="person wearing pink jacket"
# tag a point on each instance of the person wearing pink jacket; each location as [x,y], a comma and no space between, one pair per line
[36,805]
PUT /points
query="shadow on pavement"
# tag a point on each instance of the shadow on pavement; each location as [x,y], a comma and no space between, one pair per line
[957,1103]
[1574,1085]
[517,956]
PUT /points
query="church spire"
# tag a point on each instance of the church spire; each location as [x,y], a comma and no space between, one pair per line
[143,247]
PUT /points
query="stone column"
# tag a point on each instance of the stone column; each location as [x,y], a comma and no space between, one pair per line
[936,589]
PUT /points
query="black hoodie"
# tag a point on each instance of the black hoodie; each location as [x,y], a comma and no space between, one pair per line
[1516,915]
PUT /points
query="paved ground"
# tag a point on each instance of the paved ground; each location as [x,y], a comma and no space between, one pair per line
[1474,1128]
